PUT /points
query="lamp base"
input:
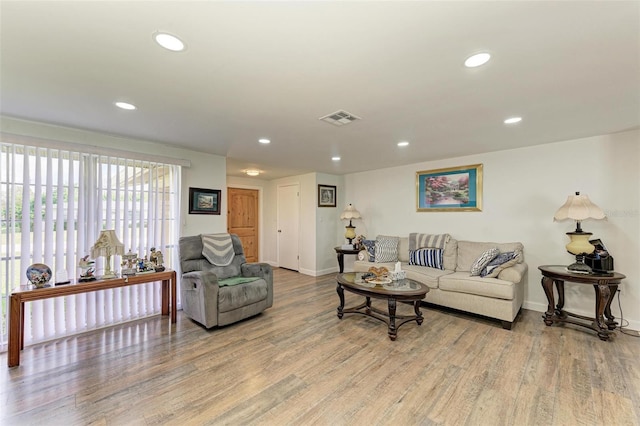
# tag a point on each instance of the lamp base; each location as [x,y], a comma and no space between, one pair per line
[579,266]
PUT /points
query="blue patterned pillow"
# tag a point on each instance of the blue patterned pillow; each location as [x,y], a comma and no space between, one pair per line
[430,257]
[370,245]
[500,262]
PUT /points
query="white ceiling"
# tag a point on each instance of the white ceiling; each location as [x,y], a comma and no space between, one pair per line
[271,69]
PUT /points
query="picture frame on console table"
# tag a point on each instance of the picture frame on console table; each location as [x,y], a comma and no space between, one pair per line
[449,190]
[204,201]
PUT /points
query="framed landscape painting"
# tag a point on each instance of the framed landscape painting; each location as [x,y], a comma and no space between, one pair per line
[449,190]
[204,201]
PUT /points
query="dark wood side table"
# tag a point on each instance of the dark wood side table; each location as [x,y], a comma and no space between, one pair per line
[605,287]
[341,252]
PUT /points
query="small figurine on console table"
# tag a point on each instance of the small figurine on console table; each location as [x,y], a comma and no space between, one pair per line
[87,269]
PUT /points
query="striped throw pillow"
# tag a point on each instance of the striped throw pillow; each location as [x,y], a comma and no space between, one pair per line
[417,240]
[426,257]
[386,249]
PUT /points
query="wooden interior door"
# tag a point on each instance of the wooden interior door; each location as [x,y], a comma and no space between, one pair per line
[242,219]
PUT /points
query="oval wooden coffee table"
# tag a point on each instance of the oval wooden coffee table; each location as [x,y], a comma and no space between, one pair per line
[405,290]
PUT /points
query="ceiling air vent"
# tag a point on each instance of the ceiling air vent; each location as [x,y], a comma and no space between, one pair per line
[340,118]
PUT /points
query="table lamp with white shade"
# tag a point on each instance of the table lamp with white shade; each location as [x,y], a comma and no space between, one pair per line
[579,207]
[107,245]
[350,213]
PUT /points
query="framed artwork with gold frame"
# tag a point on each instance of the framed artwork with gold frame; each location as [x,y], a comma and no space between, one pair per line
[449,190]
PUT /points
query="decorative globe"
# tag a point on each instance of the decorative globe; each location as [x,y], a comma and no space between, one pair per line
[39,274]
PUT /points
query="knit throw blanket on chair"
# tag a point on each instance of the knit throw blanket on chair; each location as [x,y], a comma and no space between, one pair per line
[217,249]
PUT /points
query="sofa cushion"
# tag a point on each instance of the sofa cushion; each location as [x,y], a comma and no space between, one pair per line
[417,241]
[431,257]
[469,251]
[425,275]
[386,249]
[461,282]
[483,260]
[500,262]
[370,246]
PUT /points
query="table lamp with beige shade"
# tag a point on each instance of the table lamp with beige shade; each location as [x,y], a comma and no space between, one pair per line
[579,207]
[107,245]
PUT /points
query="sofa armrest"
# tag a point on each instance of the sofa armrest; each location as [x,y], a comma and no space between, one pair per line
[262,270]
[513,273]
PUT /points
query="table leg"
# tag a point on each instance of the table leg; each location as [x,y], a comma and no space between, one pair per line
[340,291]
[416,308]
[560,288]
[16,308]
[165,297]
[602,297]
[368,309]
[547,285]
[341,262]
[611,324]
[393,332]
[174,299]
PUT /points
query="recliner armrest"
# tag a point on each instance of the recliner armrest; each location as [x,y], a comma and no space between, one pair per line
[201,277]
[262,270]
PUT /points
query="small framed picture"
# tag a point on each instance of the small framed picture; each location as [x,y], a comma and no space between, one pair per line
[326,196]
[204,201]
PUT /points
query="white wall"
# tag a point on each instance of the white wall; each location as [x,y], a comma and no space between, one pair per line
[320,227]
[206,171]
[523,188]
[328,225]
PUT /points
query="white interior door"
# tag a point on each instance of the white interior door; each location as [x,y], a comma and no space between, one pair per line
[288,226]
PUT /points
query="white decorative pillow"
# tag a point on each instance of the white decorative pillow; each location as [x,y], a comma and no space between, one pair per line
[386,249]
[483,260]
[500,262]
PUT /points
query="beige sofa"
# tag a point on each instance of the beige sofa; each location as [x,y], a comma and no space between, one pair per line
[500,298]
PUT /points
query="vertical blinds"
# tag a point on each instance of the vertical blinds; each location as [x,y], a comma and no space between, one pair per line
[53,205]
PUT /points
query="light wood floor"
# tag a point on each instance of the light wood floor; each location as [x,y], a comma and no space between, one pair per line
[298,364]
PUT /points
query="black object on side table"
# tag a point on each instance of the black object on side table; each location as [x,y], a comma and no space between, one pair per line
[341,252]
[605,286]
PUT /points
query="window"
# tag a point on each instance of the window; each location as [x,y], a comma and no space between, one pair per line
[53,205]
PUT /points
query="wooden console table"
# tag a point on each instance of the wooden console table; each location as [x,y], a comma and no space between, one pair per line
[605,287]
[27,293]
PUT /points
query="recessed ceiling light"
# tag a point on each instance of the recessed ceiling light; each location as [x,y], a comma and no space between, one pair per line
[335,158]
[169,41]
[403,143]
[252,172]
[125,105]
[513,120]
[477,60]
[264,141]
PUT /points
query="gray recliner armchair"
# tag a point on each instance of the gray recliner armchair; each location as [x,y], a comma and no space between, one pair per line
[217,295]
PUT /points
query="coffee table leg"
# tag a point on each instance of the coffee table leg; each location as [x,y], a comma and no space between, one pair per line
[393,333]
[340,291]
[416,307]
